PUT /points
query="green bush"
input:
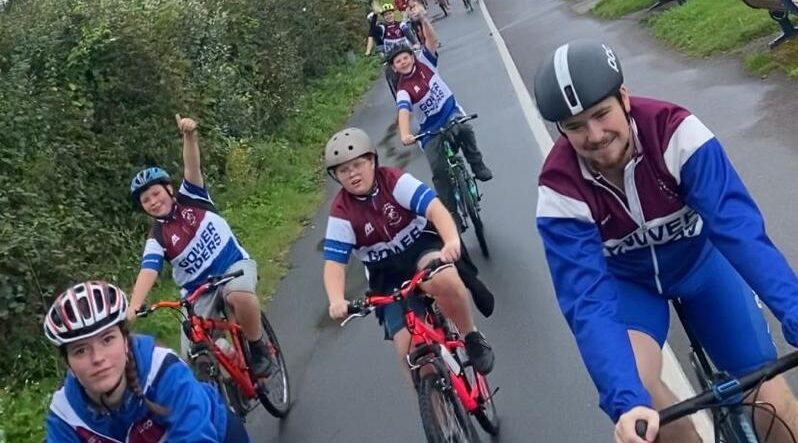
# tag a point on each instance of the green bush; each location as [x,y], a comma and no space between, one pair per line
[89,91]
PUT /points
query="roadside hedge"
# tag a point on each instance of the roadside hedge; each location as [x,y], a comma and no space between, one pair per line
[88,95]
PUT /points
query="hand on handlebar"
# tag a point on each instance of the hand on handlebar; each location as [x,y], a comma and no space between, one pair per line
[132,314]
[408,139]
[625,431]
[339,309]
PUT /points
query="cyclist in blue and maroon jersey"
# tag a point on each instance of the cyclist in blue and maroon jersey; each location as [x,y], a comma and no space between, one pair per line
[122,387]
[638,204]
[188,231]
[390,34]
[395,225]
[422,94]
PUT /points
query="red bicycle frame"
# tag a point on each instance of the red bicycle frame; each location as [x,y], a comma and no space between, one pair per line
[424,334]
[199,333]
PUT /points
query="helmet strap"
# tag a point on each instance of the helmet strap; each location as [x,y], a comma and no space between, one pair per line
[111,392]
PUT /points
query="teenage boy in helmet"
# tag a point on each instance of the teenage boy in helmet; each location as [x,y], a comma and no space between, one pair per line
[638,204]
[188,231]
[422,93]
[395,225]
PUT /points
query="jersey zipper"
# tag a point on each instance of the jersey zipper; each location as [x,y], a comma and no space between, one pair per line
[632,207]
[637,209]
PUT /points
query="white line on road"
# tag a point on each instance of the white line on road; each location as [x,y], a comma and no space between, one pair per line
[672,373]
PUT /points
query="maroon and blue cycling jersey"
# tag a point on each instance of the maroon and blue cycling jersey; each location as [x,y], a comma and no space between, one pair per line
[380,225]
[426,96]
[681,199]
[194,238]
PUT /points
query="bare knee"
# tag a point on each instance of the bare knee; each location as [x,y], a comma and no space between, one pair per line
[243,299]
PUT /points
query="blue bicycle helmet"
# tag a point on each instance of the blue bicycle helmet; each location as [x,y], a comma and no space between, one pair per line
[146,178]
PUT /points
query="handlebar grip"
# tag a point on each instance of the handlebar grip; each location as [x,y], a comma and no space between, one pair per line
[238,273]
[641,426]
[434,264]
[472,116]
[142,311]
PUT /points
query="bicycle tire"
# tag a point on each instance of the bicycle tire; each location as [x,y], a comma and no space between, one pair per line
[486,415]
[207,370]
[470,205]
[275,396]
[435,390]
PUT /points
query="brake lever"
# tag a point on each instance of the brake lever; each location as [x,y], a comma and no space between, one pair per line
[143,311]
[363,313]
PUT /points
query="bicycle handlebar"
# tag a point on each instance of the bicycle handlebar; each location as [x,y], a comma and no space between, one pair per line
[446,127]
[364,306]
[213,282]
[721,394]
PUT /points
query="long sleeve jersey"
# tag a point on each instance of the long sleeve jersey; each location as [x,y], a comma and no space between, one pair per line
[681,197]
[196,412]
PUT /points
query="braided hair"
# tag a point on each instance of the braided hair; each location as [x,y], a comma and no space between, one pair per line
[132,377]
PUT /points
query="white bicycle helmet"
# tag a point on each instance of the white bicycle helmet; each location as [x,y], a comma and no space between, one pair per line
[83,311]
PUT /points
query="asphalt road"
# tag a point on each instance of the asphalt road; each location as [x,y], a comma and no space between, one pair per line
[346,383]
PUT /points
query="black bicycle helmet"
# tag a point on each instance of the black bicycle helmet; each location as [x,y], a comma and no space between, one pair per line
[576,76]
[398,49]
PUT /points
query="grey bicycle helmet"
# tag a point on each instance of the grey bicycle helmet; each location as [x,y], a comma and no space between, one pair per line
[345,145]
[576,76]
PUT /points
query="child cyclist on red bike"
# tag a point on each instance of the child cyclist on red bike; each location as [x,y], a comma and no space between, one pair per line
[122,387]
[395,225]
[188,232]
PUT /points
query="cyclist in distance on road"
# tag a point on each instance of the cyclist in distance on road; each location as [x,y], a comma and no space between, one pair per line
[188,231]
[391,33]
[122,387]
[423,94]
[638,204]
[395,225]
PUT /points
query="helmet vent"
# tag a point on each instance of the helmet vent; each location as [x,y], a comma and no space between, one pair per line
[571,96]
[98,299]
[83,308]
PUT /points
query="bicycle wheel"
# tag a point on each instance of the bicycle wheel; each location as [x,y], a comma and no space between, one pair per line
[469,201]
[207,370]
[274,392]
[442,415]
[486,414]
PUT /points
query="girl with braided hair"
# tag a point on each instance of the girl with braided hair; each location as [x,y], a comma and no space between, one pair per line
[121,387]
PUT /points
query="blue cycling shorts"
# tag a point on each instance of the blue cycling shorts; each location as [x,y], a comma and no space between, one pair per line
[721,311]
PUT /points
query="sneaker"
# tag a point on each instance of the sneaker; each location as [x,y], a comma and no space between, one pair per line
[262,365]
[481,172]
[479,352]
